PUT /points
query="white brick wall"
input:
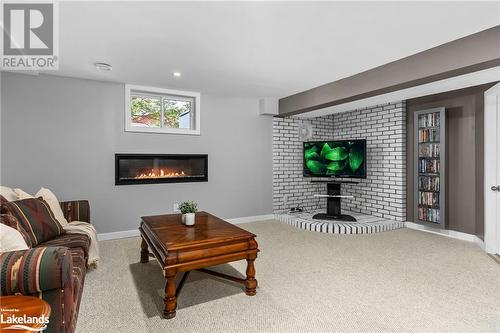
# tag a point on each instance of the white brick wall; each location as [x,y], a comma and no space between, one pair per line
[382,193]
[290,188]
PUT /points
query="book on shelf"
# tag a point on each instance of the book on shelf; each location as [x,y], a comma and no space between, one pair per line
[429,120]
[429,150]
[428,166]
[428,198]
[429,215]
[428,183]
[428,135]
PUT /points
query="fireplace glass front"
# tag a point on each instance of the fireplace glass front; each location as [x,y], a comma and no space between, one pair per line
[160,168]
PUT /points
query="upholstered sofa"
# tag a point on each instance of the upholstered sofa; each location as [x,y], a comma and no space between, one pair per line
[54,270]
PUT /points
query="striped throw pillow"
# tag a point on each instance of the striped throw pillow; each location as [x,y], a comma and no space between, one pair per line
[36,218]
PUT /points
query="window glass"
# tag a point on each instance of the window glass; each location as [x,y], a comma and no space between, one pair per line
[157,110]
[146,111]
[177,113]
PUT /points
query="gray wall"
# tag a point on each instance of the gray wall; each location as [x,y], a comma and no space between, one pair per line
[62,133]
[464,156]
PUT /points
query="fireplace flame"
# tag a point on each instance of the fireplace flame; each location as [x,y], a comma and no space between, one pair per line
[162,173]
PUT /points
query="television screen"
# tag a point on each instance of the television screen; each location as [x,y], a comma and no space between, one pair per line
[346,158]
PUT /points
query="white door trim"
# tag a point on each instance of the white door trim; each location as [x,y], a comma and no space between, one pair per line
[491,169]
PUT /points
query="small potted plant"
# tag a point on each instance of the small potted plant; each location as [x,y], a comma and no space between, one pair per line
[188,208]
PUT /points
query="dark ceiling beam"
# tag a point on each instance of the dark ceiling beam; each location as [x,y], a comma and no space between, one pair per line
[462,56]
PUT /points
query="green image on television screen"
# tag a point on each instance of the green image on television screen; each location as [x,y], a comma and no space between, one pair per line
[346,158]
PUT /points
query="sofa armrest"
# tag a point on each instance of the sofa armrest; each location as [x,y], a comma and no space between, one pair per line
[35,270]
[78,210]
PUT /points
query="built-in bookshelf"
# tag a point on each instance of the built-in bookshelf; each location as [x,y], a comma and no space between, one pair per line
[429,128]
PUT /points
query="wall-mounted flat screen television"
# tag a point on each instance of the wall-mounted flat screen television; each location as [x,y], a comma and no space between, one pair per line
[343,159]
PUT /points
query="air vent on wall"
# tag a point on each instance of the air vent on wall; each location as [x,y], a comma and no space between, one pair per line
[305,131]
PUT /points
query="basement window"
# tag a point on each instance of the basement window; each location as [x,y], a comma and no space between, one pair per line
[156,110]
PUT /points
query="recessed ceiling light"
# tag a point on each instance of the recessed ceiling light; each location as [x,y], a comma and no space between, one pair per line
[103,66]
[176,74]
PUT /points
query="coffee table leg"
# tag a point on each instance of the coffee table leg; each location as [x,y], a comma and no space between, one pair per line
[250,282]
[144,252]
[170,299]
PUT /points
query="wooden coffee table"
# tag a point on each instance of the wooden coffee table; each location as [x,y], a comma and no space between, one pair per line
[211,241]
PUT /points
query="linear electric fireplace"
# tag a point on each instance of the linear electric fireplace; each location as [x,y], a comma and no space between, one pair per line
[160,168]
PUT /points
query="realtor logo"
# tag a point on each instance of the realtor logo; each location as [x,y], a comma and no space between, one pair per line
[29,36]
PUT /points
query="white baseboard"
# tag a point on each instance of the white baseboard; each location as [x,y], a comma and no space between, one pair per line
[136,233]
[447,233]
[118,234]
[480,243]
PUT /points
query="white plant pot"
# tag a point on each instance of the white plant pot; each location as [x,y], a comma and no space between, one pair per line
[189,219]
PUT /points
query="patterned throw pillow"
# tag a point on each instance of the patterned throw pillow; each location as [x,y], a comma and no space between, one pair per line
[35,216]
[12,222]
[3,201]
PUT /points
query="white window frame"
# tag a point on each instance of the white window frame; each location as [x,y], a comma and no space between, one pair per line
[154,92]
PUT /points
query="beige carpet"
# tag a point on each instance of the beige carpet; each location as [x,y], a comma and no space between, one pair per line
[400,281]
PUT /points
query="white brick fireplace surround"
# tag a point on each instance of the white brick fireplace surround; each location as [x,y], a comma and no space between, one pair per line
[381,194]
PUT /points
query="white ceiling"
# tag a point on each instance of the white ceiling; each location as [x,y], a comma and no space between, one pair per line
[254,49]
